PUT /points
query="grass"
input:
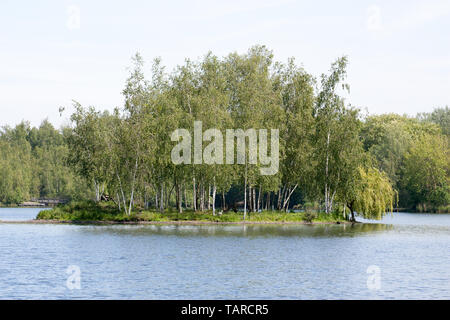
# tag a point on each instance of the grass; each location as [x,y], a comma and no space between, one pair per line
[91,211]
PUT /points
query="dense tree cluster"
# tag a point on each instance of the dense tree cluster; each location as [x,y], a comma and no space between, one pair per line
[414,154]
[33,165]
[329,153]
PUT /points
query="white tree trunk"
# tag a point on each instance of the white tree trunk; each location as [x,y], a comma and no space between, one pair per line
[288,197]
[326,177]
[214,198]
[194,195]
[245,191]
[209,196]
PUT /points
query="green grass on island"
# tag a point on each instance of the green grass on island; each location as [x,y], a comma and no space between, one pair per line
[105,212]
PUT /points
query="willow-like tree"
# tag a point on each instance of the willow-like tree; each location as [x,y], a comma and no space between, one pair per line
[371,194]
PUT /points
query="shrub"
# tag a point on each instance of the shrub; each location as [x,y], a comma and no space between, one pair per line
[309,216]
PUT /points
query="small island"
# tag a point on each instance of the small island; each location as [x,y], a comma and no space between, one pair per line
[235,139]
[90,212]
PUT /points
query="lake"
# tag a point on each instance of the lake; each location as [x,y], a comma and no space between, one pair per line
[407,256]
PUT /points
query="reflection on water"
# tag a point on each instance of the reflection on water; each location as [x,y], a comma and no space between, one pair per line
[266,231]
[227,262]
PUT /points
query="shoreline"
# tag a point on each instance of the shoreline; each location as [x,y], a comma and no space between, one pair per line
[26,207]
[401,210]
[186,222]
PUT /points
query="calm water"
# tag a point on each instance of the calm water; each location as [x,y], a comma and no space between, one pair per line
[412,252]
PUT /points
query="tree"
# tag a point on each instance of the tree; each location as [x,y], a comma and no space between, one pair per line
[15,173]
[254,104]
[388,139]
[88,153]
[297,92]
[440,116]
[33,165]
[371,195]
[329,107]
[327,151]
[426,172]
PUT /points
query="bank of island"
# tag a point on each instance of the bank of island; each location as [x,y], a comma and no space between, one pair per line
[87,212]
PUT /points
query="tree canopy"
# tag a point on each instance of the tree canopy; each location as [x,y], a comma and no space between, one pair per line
[329,153]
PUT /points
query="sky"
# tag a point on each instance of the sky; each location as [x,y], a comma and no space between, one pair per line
[53,52]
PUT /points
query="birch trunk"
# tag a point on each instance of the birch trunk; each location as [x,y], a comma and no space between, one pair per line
[254,199]
[245,191]
[259,198]
[132,186]
[214,198]
[194,195]
[161,199]
[286,202]
[327,195]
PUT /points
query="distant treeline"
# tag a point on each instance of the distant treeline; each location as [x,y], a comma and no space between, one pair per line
[330,153]
[33,164]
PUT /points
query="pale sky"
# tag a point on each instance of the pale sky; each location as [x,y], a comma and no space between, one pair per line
[54,51]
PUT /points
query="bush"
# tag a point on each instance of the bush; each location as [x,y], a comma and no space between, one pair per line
[309,216]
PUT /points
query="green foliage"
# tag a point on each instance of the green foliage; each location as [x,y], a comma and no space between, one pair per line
[426,172]
[369,195]
[91,211]
[80,211]
[33,165]
[414,155]
[328,153]
[440,116]
[374,196]
[338,152]
[309,216]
